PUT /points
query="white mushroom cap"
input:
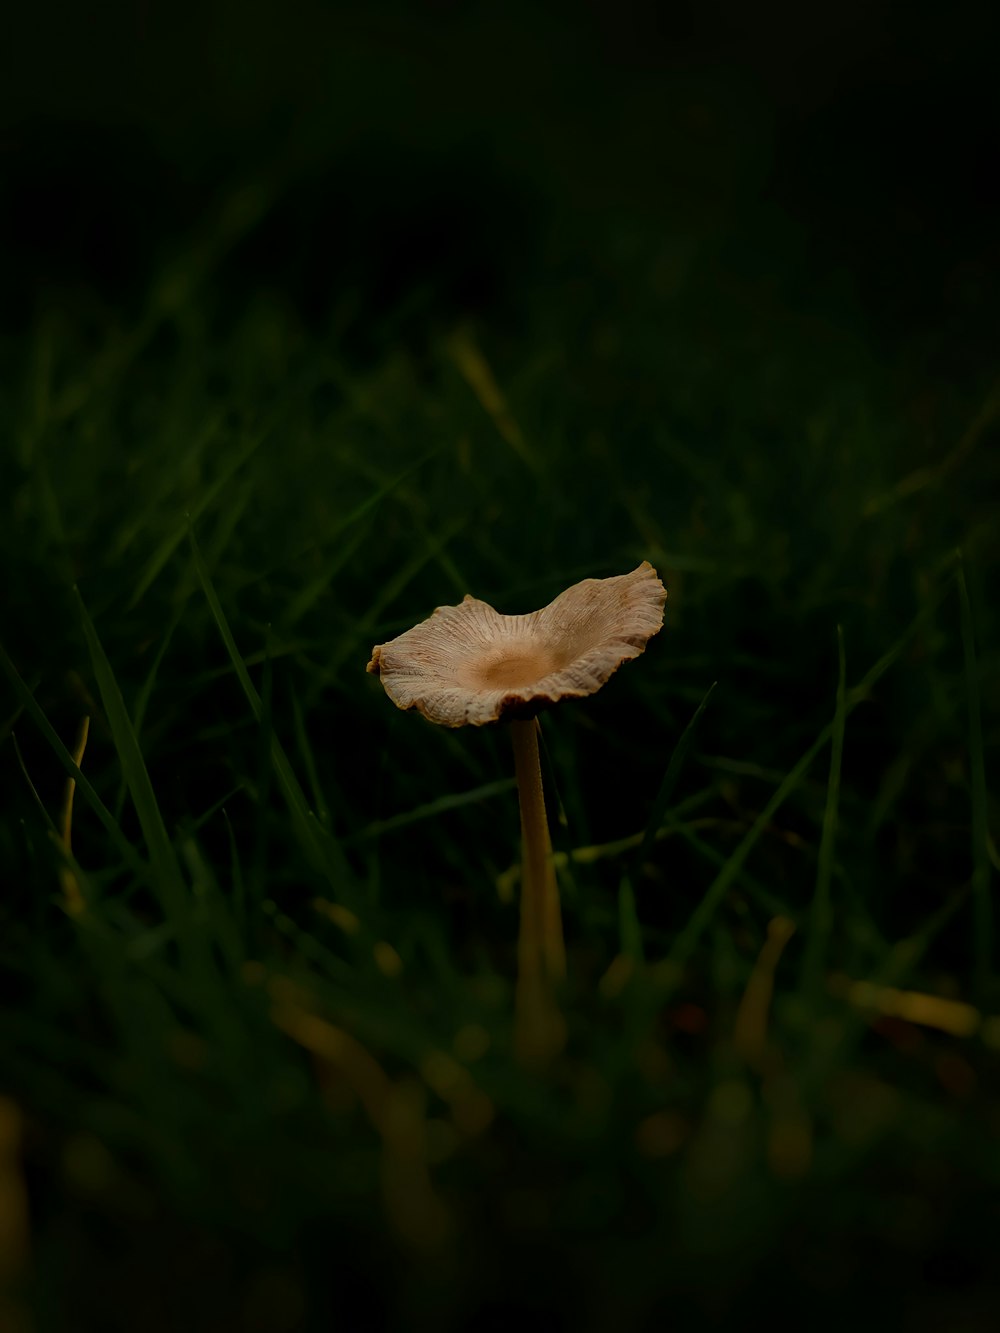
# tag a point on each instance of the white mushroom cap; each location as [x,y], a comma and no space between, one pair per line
[470,665]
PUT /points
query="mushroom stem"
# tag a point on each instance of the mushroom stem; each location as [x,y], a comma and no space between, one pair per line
[541,920]
[541,952]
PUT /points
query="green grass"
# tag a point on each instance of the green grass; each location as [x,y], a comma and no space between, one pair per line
[265,1077]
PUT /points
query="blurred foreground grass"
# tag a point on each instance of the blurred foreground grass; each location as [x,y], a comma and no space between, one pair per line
[255,1048]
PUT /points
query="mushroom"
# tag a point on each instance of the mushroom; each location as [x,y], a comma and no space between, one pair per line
[468,665]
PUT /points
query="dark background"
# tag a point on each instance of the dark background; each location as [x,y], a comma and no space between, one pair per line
[738,268]
[849,149]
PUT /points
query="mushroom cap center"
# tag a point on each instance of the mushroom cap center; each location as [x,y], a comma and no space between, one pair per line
[512,665]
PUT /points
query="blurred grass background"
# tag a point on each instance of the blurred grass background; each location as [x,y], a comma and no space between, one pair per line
[314,320]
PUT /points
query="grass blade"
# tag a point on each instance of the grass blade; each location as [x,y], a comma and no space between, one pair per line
[309,759]
[318,843]
[820,919]
[83,786]
[982,903]
[630,931]
[311,593]
[478,375]
[431,809]
[146,690]
[207,498]
[837,1045]
[687,940]
[392,589]
[164,869]
[659,811]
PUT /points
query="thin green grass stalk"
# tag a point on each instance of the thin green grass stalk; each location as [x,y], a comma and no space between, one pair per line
[432,809]
[146,692]
[444,561]
[205,500]
[629,926]
[218,916]
[229,519]
[290,649]
[666,789]
[332,968]
[756,891]
[124,848]
[309,760]
[859,693]
[148,685]
[310,594]
[629,929]
[66,859]
[142,516]
[563,856]
[472,365]
[587,854]
[321,847]
[49,821]
[143,945]
[219,804]
[923,477]
[10,722]
[238,880]
[331,534]
[982,903]
[395,587]
[741,768]
[388,594]
[164,868]
[265,768]
[821,915]
[839,1043]
[899,772]
[715,895]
